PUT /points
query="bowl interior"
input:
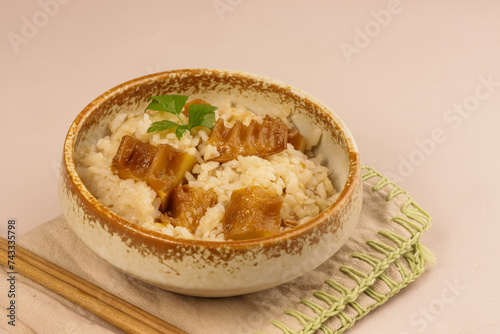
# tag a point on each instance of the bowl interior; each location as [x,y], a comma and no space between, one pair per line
[259,94]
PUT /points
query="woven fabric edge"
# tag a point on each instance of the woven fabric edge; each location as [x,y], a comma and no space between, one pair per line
[405,246]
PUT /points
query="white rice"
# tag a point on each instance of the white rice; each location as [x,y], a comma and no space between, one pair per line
[301,180]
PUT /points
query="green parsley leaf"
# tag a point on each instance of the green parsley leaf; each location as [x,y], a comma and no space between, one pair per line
[199,114]
[181,129]
[172,104]
[202,115]
[162,125]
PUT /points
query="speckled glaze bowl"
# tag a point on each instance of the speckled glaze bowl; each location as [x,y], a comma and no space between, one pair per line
[210,268]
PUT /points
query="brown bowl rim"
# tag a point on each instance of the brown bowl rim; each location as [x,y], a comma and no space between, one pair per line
[112,218]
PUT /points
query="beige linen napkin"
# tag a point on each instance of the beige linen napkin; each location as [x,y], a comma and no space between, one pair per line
[383,256]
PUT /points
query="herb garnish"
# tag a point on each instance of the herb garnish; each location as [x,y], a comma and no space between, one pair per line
[199,114]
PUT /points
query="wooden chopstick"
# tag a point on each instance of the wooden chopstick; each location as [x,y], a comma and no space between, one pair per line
[107,306]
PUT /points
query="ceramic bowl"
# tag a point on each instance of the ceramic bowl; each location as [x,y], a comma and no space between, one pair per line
[210,268]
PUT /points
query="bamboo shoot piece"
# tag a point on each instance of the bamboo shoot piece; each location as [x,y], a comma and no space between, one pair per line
[253,212]
[187,205]
[162,167]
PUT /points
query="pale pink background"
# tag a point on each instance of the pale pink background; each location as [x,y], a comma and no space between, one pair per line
[393,87]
